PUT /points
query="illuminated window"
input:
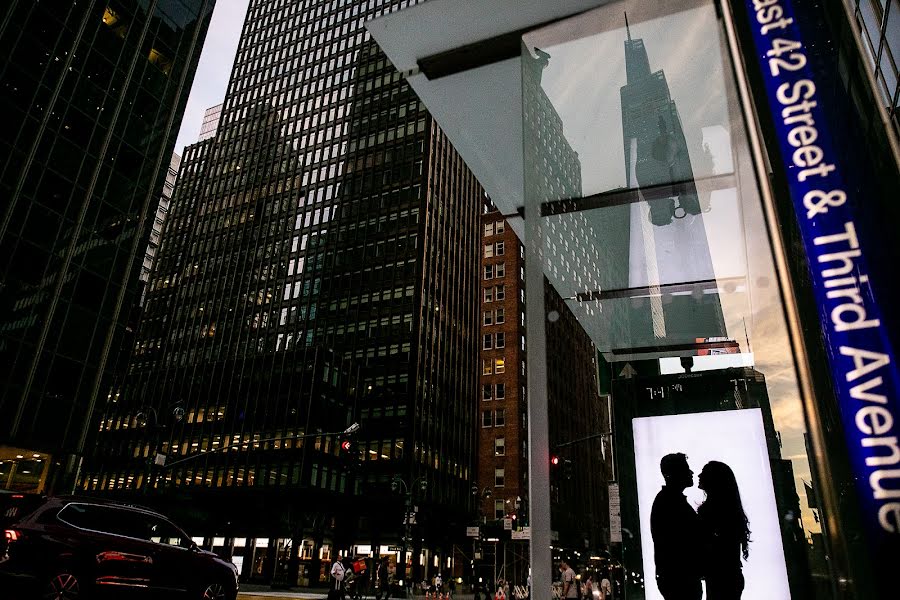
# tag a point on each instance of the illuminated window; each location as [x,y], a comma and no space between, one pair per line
[500,446]
[486,366]
[488,250]
[499,478]
[499,365]
[499,509]
[488,229]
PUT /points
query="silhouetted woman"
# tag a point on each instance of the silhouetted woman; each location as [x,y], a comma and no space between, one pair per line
[725,532]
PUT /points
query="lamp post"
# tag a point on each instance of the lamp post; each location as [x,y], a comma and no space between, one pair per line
[419,483]
[149,418]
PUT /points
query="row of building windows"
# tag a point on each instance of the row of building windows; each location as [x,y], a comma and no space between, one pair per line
[493,366]
[495,249]
[495,228]
[494,317]
[497,292]
[497,270]
[492,391]
[493,418]
[494,340]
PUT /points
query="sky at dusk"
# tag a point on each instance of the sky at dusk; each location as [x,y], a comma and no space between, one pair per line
[214,69]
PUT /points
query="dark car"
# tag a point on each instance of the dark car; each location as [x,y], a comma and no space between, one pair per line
[84,548]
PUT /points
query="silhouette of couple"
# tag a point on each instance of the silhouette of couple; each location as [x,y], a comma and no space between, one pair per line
[707,544]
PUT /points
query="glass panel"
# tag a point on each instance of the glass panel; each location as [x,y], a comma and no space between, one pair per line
[660,291]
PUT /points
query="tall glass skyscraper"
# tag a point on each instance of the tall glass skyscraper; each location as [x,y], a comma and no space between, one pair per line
[92,94]
[319,268]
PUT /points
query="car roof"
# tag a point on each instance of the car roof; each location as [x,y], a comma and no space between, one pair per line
[73,499]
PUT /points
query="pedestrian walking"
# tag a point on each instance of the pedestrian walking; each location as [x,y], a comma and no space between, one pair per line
[383,591]
[569,585]
[587,587]
[500,594]
[338,572]
[606,592]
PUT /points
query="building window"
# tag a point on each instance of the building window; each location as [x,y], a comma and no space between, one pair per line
[487,342]
[500,270]
[486,366]
[488,294]
[489,271]
[500,341]
[499,366]
[499,479]
[499,418]
[489,318]
[486,392]
[500,226]
[485,418]
[488,250]
[499,446]
[500,292]
[489,229]
[499,509]
[499,249]
[501,391]
[500,316]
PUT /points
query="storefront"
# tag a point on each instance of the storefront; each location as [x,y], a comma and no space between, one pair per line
[709,187]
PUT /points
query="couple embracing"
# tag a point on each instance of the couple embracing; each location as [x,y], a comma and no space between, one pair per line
[706,544]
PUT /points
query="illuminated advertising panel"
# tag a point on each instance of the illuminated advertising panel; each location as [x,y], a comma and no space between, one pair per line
[705,495]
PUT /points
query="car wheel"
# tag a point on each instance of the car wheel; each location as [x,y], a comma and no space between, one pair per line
[63,586]
[215,591]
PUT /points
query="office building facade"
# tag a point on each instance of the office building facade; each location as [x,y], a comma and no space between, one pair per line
[579,419]
[319,268]
[92,96]
[159,220]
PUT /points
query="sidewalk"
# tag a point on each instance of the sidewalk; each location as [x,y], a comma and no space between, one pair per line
[251,591]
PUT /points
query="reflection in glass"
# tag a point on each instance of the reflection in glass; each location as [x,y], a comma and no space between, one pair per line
[650,229]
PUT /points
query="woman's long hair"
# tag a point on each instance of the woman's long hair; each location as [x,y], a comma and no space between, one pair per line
[723,503]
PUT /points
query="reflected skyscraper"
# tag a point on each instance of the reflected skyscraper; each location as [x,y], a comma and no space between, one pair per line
[668,243]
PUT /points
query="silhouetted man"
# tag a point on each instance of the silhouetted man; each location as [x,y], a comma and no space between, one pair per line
[674,526]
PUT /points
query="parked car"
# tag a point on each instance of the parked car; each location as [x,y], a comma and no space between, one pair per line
[75,548]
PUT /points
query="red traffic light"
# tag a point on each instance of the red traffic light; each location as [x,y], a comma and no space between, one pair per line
[345,445]
[554,460]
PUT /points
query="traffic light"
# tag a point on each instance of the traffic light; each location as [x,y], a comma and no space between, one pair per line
[554,460]
[346,446]
[568,469]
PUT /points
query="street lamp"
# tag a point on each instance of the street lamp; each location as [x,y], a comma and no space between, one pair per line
[397,483]
[148,418]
